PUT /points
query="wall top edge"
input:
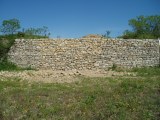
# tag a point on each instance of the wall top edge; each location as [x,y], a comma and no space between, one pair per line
[50,39]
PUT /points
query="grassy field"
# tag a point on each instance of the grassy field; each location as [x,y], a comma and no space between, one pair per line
[114,98]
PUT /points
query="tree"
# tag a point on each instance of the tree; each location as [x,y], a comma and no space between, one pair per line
[10,26]
[107,34]
[144,27]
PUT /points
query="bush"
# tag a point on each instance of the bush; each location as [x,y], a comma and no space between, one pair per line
[6,42]
[6,65]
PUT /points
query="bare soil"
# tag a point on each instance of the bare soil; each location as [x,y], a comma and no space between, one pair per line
[49,76]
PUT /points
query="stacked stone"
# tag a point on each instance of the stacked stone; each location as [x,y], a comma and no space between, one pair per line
[68,54]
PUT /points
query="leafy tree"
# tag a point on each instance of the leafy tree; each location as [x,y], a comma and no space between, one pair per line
[144,27]
[10,26]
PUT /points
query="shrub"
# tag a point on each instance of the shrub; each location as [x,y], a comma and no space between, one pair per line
[6,65]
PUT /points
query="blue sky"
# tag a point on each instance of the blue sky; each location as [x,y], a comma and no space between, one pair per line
[76,18]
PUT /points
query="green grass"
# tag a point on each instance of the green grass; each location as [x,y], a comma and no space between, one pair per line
[147,71]
[135,98]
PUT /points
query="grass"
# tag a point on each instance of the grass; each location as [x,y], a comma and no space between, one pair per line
[147,71]
[135,98]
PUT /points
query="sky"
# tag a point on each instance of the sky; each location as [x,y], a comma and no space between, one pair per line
[77,18]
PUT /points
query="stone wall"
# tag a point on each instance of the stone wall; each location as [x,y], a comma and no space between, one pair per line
[67,54]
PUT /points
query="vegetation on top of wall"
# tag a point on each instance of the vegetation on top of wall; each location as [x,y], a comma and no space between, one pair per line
[143,27]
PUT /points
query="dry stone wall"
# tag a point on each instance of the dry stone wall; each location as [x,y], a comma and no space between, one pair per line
[68,54]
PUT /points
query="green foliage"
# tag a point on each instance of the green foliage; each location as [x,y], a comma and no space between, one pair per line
[9,29]
[20,34]
[6,41]
[37,31]
[10,26]
[6,65]
[128,34]
[135,98]
[144,27]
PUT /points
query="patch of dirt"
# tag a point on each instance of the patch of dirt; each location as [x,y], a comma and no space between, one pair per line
[49,76]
